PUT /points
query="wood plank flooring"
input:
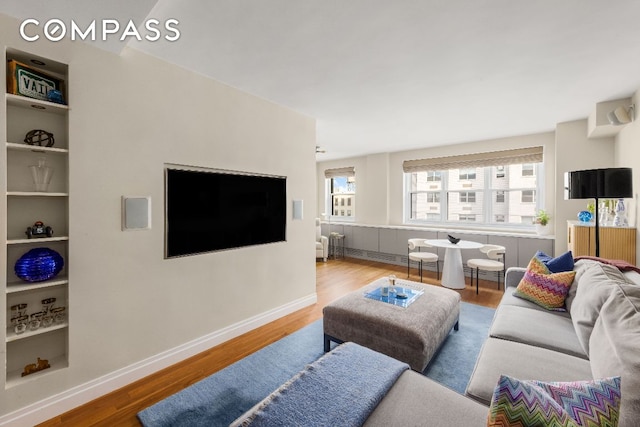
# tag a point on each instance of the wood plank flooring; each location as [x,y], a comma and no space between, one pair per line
[333,279]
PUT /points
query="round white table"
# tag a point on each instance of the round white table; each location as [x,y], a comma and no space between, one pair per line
[452,271]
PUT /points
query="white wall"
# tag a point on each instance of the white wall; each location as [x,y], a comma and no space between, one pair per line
[131,114]
[575,152]
[566,149]
[380,179]
[627,154]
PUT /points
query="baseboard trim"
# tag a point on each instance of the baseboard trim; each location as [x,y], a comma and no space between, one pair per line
[60,403]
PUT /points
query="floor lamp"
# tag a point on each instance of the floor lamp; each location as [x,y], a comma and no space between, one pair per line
[611,183]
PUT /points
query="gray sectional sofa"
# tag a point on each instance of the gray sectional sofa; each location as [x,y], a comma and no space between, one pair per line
[598,336]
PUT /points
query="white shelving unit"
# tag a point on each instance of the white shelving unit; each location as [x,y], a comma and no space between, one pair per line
[24,206]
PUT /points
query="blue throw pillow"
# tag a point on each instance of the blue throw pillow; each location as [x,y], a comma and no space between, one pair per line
[558,264]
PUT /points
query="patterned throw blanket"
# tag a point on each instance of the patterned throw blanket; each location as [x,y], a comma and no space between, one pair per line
[622,265]
[341,388]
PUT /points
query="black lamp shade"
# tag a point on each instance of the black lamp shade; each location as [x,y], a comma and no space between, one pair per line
[611,183]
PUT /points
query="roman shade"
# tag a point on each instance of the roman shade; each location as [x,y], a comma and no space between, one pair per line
[332,173]
[476,160]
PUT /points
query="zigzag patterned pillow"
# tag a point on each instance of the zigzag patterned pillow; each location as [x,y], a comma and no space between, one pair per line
[571,404]
[544,288]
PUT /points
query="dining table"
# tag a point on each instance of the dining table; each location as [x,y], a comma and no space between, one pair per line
[453,270]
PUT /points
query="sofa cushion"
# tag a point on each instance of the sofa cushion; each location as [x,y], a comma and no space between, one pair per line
[577,403]
[544,288]
[593,288]
[501,357]
[535,327]
[614,347]
[581,267]
[558,264]
[509,299]
[415,398]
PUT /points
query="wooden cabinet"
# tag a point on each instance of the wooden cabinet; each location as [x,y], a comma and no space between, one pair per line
[24,203]
[615,242]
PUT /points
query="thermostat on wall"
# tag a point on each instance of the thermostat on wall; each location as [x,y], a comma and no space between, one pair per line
[136,213]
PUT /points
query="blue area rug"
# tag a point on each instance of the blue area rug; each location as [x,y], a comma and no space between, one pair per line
[224,396]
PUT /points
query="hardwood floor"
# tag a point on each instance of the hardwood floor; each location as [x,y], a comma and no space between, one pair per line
[333,279]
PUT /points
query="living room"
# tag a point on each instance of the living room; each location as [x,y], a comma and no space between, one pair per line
[133,312]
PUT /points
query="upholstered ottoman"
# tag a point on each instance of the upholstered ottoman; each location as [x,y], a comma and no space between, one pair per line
[411,334]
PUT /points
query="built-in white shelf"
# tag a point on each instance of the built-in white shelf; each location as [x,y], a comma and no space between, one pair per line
[15,378]
[24,102]
[21,286]
[12,336]
[37,240]
[35,194]
[35,148]
[21,114]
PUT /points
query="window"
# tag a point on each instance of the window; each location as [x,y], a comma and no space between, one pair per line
[467,197]
[341,192]
[434,176]
[467,174]
[495,196]
[528,170]
[528,196]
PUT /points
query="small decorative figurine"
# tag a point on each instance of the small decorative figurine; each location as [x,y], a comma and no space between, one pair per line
[32,368]
[39,137]
[55,95]
[39,230]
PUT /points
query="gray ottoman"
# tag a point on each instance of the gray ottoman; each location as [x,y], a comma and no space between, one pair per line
[412,334]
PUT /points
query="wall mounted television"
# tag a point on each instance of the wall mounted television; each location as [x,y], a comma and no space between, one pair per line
[211,210]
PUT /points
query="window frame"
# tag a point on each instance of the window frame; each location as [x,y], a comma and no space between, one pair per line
[332,204]
[488,201]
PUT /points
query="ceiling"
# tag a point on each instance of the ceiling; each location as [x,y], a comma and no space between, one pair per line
[380,75]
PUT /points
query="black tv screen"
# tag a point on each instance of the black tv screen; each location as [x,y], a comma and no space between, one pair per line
[210,210]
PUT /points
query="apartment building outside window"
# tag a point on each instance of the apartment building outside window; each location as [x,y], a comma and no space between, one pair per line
[341,192]
[467,174]
[499,195]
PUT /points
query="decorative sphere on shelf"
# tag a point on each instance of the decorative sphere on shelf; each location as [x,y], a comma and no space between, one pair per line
[585,216]
[40,138]
[39,264]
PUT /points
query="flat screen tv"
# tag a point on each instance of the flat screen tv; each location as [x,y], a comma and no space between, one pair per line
[211,210]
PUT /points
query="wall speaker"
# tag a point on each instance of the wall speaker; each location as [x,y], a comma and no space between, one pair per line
[297,209]
[136,213]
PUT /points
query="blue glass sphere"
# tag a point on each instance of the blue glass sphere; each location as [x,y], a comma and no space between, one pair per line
[39,264]
[585,216]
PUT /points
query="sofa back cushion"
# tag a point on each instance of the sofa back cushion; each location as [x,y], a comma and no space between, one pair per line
[614,347]
[592,289]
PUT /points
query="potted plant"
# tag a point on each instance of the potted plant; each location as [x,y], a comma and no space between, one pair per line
[541,221]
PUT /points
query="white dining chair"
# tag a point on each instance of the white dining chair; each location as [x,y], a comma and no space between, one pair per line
[414,253]
[495,261]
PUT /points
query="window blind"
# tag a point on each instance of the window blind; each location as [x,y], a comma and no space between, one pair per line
[492,158]
[332,173]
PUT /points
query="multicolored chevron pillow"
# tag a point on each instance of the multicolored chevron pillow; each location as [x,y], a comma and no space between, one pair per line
[571,404]
[544,288]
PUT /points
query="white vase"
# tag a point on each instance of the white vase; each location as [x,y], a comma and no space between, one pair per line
[620,220]
[542,230]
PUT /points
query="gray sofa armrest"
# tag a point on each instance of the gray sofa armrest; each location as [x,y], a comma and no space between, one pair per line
[513,276]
